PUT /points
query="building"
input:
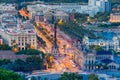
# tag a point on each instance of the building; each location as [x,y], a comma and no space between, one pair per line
[101,55]
[108,6]
[114,17]
[8,8]
[39,17]
[60,15]
[56,15]
[21,36]
[101,60]
[91,8]
[89,62]
[49,16]
[106,44]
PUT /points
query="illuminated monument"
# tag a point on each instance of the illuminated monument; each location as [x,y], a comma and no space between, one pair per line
[55,50]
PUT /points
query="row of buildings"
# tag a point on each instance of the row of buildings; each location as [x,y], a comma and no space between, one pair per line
[65,11]
[18,34]
[91,8]
[106,44]
[14,32]
[103,59]
[53,15]
[100,60]
[114,17]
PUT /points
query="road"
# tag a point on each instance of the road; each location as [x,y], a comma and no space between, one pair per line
[62,63]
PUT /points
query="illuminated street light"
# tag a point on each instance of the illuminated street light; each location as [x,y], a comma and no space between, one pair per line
[15,50]
[60,22]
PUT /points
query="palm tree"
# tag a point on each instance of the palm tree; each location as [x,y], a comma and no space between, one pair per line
[64,47]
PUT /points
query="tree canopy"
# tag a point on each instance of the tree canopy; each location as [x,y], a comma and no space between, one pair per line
[8,75]
[30,52]
[5,47]
[76,31]
[70,76]
[93,77]
[31,63]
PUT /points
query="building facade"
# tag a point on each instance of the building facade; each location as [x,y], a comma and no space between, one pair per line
[91,8]
[21,36]
[105,44]
[101,60]
[115,17]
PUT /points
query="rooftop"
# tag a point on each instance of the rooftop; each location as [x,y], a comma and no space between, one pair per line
[106,61]
[104,53]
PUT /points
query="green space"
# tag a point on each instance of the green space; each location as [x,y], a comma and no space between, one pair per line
[74,30]
[80,18]
[76,76]
[5,47]
[93,77]
[31,63]
[35,60]
[101,16]
[95,47]
[70,76]
[8,75]
[30,52]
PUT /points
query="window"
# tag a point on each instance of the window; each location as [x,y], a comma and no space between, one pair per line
[22,43]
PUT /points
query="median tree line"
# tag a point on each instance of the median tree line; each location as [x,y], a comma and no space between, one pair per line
[76,31]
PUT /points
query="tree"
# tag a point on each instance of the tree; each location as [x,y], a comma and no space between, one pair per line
[41,41]
[93,77]
[49,59]
[76,31]
[33,78]
[102,16]
[34,63]
[8,75]
[81,18]
[19,65]
[31,52]
[70,76]
[95,47]
[4,62]
[5,47]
